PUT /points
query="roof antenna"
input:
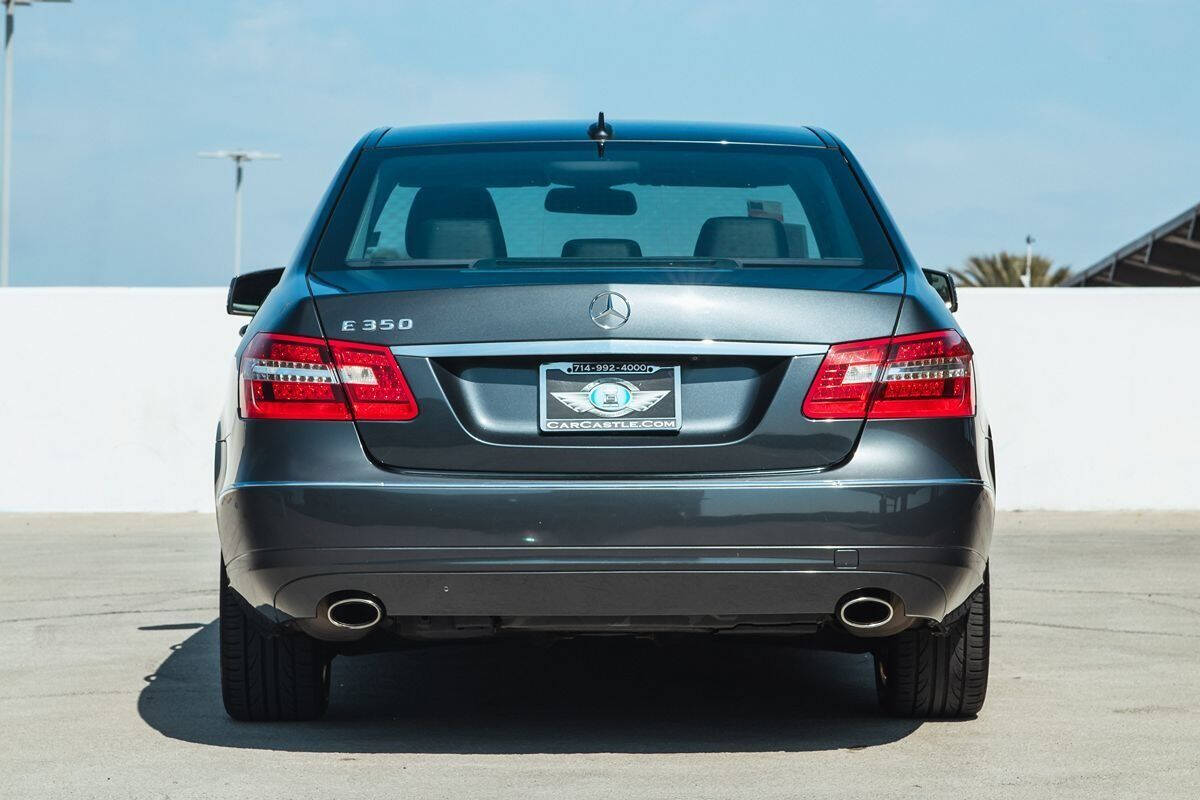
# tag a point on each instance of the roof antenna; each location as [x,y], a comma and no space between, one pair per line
[601,132]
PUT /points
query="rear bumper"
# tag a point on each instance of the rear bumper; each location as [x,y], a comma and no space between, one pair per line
[433,545]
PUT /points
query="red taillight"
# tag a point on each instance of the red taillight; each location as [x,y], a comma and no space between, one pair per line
[373,381]
[917,375]
[290,377]
[299,377]
[846,380]
[926,375]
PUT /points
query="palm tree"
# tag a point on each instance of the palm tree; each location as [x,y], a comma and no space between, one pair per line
[1004,269]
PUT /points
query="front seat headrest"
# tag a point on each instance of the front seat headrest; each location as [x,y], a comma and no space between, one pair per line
[453,223]
[602,248]
[742,237]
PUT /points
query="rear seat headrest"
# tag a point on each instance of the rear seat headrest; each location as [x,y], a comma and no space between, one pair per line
[453,222]
[742,237]
[602,248]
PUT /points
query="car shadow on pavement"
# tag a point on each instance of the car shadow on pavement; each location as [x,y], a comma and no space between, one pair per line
[576,696]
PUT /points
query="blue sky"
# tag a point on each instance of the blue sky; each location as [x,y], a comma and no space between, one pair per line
[979,122]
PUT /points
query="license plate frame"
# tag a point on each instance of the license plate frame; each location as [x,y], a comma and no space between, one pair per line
[607,397]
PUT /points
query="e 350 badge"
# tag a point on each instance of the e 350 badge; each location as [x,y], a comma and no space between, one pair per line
[369,325]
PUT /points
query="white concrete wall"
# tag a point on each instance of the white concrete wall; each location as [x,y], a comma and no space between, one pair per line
[109,398]
[1093,394]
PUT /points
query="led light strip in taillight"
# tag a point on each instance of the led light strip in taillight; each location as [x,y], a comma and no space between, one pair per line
[924,369]
[301,377]
[912,376]
[266,369]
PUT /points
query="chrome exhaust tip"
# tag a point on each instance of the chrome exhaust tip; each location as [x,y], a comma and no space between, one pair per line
[354,613]
[866,613]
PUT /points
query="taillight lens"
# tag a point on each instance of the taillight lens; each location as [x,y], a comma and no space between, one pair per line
[926,375]
[901,377]
[290,377]
[300,377]
[846,380]
[374,384]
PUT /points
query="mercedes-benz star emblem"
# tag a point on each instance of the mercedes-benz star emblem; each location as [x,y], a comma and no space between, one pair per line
[610,310]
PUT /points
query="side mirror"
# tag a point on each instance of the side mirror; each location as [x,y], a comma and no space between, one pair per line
[943,284]
[248,291]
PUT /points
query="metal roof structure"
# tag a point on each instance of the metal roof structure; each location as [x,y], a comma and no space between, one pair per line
[1169,255]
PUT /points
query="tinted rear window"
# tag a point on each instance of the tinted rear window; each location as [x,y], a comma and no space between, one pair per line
[640,202]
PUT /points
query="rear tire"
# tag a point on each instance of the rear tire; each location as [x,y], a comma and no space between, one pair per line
[268,676]
[931,674]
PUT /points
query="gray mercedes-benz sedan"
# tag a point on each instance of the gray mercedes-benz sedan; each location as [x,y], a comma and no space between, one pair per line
[597,377]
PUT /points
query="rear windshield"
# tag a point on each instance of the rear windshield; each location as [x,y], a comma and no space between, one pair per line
[636,204]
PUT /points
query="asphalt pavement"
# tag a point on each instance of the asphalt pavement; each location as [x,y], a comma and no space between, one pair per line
[108,646]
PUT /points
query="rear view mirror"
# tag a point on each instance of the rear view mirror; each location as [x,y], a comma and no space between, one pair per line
[943,284]
[248,291]
[599,200]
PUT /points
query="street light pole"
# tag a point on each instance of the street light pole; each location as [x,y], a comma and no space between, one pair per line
[237,215]
[239,158]
[6,181]
[1027,275]
[6,146]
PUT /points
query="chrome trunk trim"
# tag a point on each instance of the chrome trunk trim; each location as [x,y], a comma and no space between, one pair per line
[605,347]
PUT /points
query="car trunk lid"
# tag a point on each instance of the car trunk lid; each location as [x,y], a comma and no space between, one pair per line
[738,347]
